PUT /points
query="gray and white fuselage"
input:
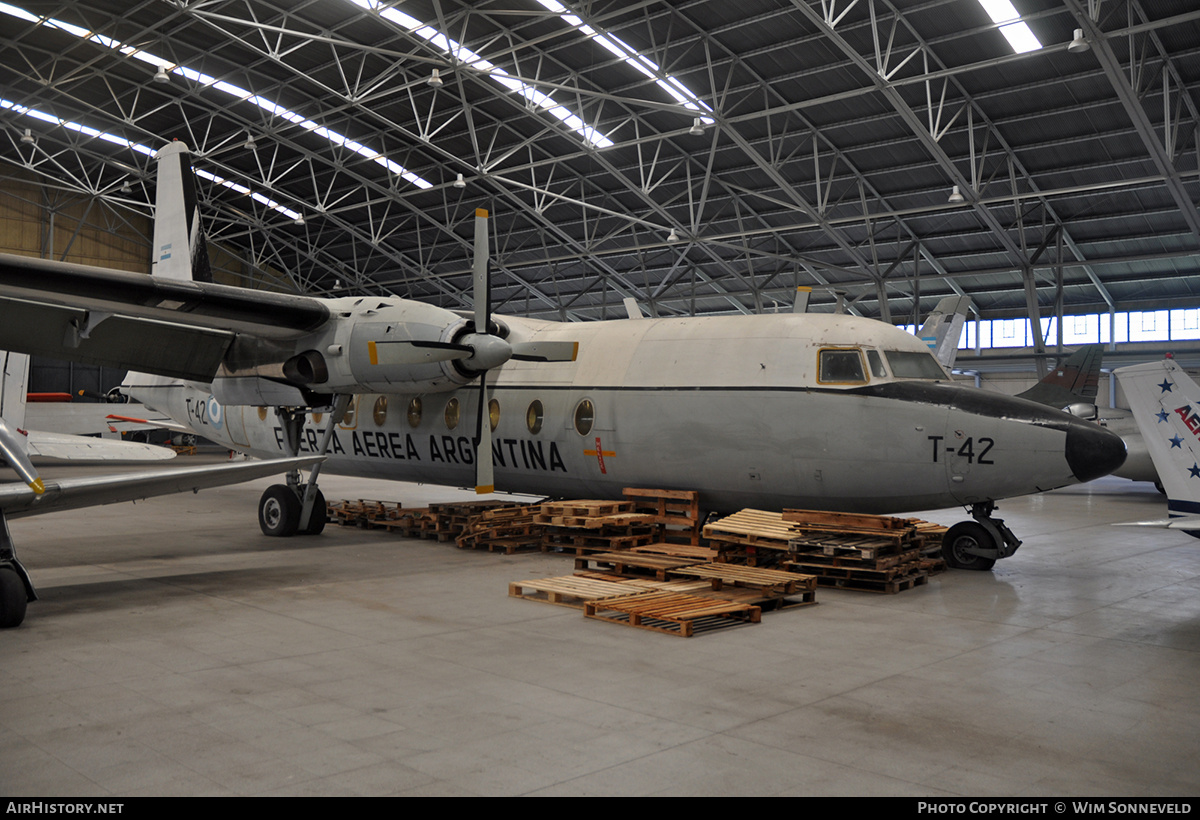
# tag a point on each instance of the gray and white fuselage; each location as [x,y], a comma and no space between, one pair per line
[802,411]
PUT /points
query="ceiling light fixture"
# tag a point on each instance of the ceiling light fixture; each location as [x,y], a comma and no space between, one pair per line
[250,144]
[672,236]
[956,196]
[435,79]
[28,138]
[161,76]
[459,182]
[1078,44]
[697,128]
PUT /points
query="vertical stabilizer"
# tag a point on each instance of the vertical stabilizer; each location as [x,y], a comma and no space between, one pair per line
[1075,380]
[943,328]
[1166,405]
[180,249]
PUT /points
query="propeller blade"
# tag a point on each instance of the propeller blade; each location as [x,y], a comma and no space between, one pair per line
[482,290]
[12,447]
[545,351]
[415,352]
[485,481]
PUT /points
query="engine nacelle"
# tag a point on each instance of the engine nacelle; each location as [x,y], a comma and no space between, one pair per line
[378,346]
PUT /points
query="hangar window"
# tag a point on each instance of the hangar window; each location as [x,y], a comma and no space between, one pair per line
[585,417]
[841,367]
[493,413]
[414,413]
[912,364]
[452,414]
[534,416]
[379,413]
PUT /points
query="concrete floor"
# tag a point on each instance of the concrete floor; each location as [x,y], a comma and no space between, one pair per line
[176,651]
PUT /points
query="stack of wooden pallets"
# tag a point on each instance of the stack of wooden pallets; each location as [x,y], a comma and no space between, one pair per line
[751,537]
[363,513]
[866,552]
[452,518]
[586,526]
[506,529]
[676,513]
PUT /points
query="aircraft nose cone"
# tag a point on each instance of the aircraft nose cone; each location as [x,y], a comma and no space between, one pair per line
[1093,451]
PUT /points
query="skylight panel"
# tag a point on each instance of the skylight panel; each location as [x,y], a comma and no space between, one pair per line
[1018,34]
[631,57]
[477,62]
[227,88]
[143,149]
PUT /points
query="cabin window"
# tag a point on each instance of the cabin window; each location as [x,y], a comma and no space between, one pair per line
[914,364]
[493,413]
[841,367]
[875,362]
[585,417]
[414,413]
[452,414]
[534,416]
[379,413]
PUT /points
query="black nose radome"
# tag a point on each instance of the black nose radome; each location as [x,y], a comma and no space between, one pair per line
[1093,451]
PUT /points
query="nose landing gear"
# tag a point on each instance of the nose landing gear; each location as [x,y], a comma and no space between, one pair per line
[980,543]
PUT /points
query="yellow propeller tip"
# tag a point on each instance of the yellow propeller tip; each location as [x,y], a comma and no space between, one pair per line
[37,486]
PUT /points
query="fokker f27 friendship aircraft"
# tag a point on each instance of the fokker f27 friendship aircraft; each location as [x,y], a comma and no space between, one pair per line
[800,410]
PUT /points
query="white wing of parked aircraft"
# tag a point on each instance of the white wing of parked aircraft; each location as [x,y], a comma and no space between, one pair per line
[784,410]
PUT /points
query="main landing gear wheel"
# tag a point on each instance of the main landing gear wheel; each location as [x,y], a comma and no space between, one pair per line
[967,535]
[279,511]
[13,599]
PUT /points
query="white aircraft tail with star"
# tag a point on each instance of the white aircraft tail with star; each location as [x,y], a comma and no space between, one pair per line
[1166,405]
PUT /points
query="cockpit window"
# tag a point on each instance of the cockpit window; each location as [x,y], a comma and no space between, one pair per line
[875,362]
[908,364]
[841,367]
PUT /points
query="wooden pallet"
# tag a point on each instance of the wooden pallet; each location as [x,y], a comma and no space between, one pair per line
[887,587]
[573,590]
[766,580]
[748,527]
[633,563]
[672,613]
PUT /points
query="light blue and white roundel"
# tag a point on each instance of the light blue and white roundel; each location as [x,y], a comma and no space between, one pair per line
[215,412]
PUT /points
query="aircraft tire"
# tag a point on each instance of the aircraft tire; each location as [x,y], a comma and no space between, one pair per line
[279,511]
[316,521]
[13,599]
[966,535]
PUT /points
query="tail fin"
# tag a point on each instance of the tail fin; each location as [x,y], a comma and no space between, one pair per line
[1166,405]
[1075,380]
[943,328]
[180,248]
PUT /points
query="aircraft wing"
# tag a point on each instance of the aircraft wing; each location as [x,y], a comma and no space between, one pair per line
[174,328]
[18,500]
